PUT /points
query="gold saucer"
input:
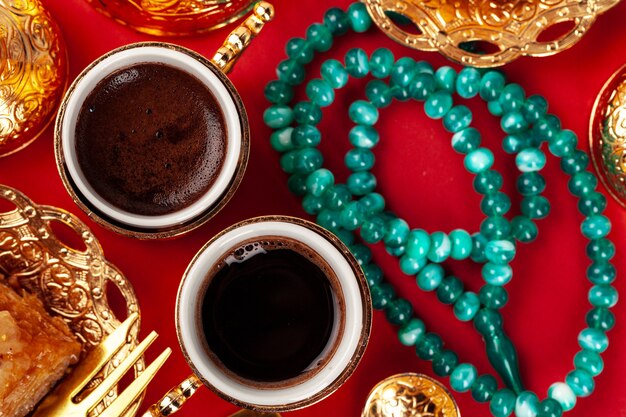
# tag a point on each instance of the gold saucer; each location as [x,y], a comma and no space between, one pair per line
[71,283]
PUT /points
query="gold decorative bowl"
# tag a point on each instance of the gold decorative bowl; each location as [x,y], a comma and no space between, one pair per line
[33,72]
[504,29]
[71,283]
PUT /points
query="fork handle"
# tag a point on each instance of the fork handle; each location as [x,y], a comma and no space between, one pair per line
[175,398]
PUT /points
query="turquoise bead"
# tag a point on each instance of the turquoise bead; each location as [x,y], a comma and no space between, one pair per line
[360,19]
[468,82]
[496,227]
[312,205]
[601,273]
[550,408]
[359,159]
[319,181]
[382,295]
[411,332]
[373,230]
[478,248]
[334,73]
[319,37]
[362,253]
[523,229]
[328,219]
[378,93]
[563,143]
[305,136]
[582,183]
[438,104]
[361,183]
[363,136]
[306,112]
[479,160]
[535,207]
[534,108]
[491,85]
[500,252]
[466,140]
[287,161]
[589,361]
[297,184]
[290,71]
[300,50]
[422,86]
[373,273]
[466,306]
[418,243]
[600,249]
[281,140]
[381,63]
[400,93]
[600,318]
[495,108]
[493,296]
[488,182]
[357,63]
[424,67]
[515,143]
[278,92]
[429,278]
[563,394]
[502,403]
[484,388]
[488,322]
[458,118]
[446,79]
[530,160]
[337,21]
[364,113]
[450,289]
[395,252]
[440,247]
[580,382]
[595,227]
[278,116]
[352,216]
[399,312]
[397,233]
[593,203]
[513,122]
[497,274]
[531,183]
[527,405]
[463,377]
[445,362]
[497,204]
[461,244]
[577,161]
[593,339]
[320,92]
[545,129]
[373,203]
[603,296]
[512,98]
[307,160]
[429,346]
[411,266]
[403,71]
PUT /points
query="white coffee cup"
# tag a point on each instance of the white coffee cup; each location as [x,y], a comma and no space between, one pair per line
[351,327]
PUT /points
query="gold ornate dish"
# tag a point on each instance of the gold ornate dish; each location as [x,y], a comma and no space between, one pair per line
[33,72]
[513,28]
[72,284]
[173,17]
[410,395]
[607,135]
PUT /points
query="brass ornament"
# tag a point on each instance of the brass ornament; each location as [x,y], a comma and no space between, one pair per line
[410,395]
[607,135]
[33,72]
[72,284]
[512,27]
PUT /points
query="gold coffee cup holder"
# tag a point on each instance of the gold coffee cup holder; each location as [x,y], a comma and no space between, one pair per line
[72,284]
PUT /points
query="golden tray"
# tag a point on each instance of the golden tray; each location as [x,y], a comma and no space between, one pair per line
[72,284]
[511,27]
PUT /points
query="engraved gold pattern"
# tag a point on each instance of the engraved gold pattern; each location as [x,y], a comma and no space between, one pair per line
[513,26]
[410,395]
[72,284]
[33,72]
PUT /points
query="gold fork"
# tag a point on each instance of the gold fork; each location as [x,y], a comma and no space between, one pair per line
[63,400]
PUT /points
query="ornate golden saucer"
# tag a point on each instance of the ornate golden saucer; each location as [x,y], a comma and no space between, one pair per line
[512,27]
[410,395]
[72,284]
[33,72]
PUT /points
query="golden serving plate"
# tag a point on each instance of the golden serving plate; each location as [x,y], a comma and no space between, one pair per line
[512,28]
[33,72]
[72,284]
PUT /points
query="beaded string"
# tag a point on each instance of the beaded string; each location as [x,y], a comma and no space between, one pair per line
[356,206]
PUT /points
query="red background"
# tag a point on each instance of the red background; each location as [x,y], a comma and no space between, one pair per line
[424,181]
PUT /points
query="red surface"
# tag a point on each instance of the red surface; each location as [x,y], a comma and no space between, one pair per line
[424,181]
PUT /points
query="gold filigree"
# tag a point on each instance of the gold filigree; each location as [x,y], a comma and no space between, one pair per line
[513,27]
[410,395]
[33,72]
[71,283]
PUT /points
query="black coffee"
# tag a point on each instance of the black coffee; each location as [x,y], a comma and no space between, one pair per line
[150,139]
[268,312]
